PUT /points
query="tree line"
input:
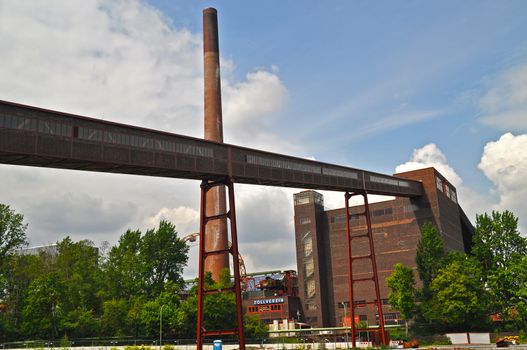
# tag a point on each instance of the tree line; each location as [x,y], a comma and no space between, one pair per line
[485,289]
[81,291]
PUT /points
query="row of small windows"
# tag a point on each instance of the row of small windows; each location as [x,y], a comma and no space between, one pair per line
[290,165]
[264,308]
[382,212]
[359,303]
[143,142]
[341,173]
[309,197]
[304,221]
[446,189]
[282,164]
[61,129]
[30,124]
[387,181]
[390,318]
[342,218]
[375,213]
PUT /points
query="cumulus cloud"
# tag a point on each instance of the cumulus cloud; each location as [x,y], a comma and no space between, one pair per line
[124,61]
[185,219]
[249,110]
[504,162]
[249,101]
[504,104]
[431,156]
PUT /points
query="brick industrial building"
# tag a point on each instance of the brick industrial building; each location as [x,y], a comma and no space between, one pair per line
[396,224]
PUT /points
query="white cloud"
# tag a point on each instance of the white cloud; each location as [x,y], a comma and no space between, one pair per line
[504,105]
[124,61]
[185,219]
[431,156]
[504,162]
[250,101]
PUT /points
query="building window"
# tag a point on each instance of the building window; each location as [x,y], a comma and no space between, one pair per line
[309,267]
[311,306]
[340,218]
[304,221]
[308,247]
[276,307]
[378,212]
[453,196]
[411,208]
[382,212]
[439,184]
[363,318]
[359,303]
[302,200]
[252,309]
[390,318]
[310,290]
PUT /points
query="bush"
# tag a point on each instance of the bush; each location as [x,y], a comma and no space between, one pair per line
[434,340]
[399,334]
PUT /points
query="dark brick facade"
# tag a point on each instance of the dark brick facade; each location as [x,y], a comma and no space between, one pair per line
[322,249]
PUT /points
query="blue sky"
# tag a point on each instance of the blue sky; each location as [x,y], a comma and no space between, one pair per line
[384,86]
[348,64]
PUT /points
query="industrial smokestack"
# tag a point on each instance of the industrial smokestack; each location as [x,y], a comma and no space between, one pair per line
[216,237]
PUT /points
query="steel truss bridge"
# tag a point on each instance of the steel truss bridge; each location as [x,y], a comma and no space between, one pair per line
[34,136]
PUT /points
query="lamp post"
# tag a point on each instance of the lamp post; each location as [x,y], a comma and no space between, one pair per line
[161,325]
[345,319]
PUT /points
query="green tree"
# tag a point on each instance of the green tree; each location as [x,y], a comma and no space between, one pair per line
[429,256]
[169,300]
[80,323]
[458,296]
[403,293]
[517,309]
[163,256]
[113,319]
[12,236]
[220,309]
[77,264]
[497,240]
[21,271]
[134,316]
[501,250]
[12,232]
[123,269]
[42,309]
[254,328]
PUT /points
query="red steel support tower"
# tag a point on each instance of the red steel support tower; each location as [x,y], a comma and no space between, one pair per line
[205,220]
[370,256]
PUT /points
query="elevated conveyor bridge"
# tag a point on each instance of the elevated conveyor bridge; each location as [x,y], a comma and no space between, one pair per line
[34,136]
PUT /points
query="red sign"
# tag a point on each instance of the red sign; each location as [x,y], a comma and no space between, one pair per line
[346,321]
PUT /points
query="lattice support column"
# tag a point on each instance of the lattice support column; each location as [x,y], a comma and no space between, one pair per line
[370,256]
[203,253]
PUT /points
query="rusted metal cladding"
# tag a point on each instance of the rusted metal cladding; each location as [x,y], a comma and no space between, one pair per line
[33,136]
[216,235]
